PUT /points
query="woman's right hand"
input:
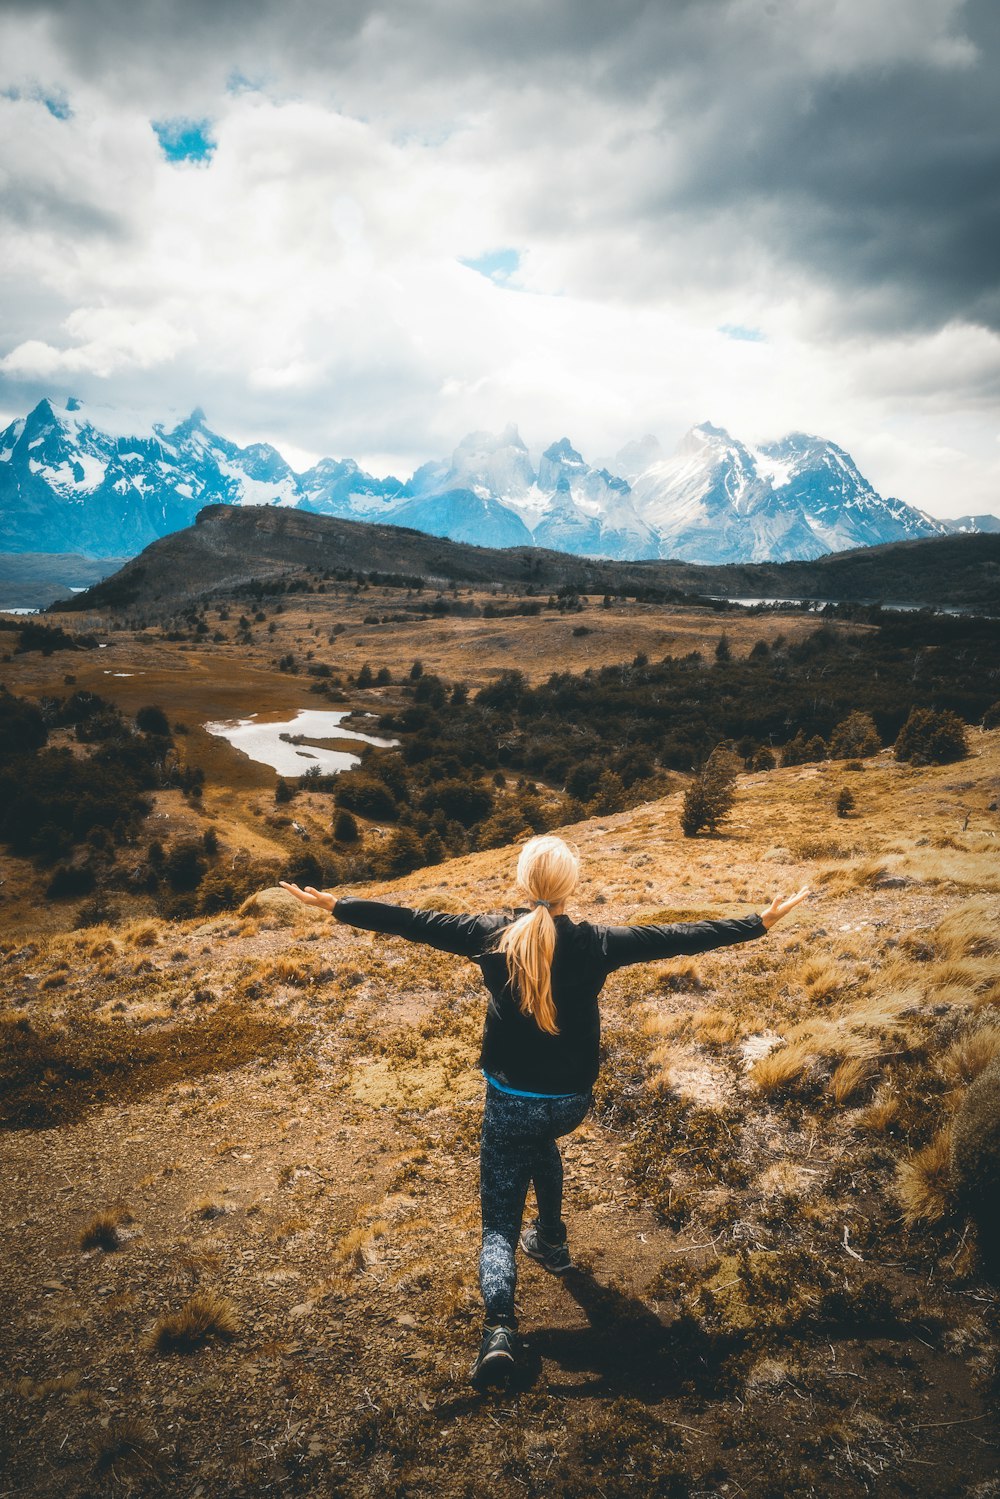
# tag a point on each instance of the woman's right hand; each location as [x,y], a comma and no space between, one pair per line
[310,896]
[780,906]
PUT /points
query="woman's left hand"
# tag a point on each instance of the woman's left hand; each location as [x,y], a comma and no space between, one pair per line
[310,896]
[780,906]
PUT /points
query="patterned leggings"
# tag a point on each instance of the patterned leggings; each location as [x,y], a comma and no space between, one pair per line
[518,1147]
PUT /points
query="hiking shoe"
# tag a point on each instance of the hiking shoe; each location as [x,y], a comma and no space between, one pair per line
[495,1360]
[554,1257]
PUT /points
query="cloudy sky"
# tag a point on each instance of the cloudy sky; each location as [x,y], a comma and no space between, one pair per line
[364,230]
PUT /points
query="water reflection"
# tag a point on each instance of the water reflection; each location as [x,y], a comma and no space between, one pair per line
[265,743]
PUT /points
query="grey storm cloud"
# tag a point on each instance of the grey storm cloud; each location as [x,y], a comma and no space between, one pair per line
[863,158]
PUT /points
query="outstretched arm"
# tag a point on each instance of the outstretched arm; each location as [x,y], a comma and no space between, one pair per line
[465,936]
[623,945]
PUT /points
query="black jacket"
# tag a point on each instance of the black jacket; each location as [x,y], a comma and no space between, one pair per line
[515,1050]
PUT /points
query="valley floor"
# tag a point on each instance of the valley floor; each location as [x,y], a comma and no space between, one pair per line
[279,1116]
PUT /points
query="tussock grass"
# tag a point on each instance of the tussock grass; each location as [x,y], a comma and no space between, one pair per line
[206,1207]
[101,1232]
[142,934]
[683,976]
[821,978]
[923,1182]
[882,1115]
[40,1389]
[850,1079]
[715,1027]
[970,931]
[782,1070]
[355,1251]
[127,1454]
[204,1315]
[970,1054]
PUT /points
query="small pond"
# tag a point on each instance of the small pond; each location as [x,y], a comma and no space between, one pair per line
[267,742]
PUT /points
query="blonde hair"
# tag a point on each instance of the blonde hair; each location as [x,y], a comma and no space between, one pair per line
[547,872]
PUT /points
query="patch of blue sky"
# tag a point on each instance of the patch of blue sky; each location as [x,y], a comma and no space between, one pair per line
[56,104]
[743,334]
[182,139]
[496,265]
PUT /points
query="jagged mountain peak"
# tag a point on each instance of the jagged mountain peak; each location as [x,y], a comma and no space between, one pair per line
[67,484]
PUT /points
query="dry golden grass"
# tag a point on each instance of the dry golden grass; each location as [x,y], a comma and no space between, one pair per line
[206,1207]
[355,1251]
[41,1389]
[881,1115]
[715,1027]
[972,930]
[970,1054]
[782,1069]
[142,934]
[821,978]
[923,1182]
[101,1231]
[783,1179]
[849,1080]
[204,1315]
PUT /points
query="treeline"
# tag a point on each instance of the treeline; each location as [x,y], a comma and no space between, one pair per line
[77,810]
[45,638]
[475,772]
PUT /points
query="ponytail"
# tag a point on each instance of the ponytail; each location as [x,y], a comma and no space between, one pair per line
[528,945]
[547,871]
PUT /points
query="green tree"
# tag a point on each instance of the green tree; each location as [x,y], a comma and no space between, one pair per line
[931,738]
[345,829]
[710,796]
[855,737]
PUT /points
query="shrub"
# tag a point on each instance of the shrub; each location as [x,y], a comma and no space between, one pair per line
[366,796]
[855,737]
[345,829]
[184,866]
[975,1160]
[845,801]
[70,880]
[929,737]
[460,801]
[991,718]
[762,759]
[709,798]
[153,720]
[400,854]
[283,793]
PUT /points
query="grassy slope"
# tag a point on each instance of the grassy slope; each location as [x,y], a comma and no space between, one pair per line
[722,1328]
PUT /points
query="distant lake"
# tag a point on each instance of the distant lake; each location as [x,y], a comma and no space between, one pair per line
[816,604]
[263,742]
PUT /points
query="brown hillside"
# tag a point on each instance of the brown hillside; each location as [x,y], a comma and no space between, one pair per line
[239,1188]
[229,545]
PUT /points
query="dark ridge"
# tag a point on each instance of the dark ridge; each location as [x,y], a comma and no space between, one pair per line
[230,546]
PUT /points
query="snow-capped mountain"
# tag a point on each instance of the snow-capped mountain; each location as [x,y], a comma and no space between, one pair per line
[67,485]
[974,525]
[717,500]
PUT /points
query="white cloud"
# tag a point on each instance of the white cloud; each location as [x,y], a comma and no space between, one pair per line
[661,173]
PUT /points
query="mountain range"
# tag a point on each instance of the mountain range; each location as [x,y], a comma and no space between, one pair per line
[67,485]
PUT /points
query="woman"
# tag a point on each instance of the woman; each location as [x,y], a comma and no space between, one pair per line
[540,1047]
